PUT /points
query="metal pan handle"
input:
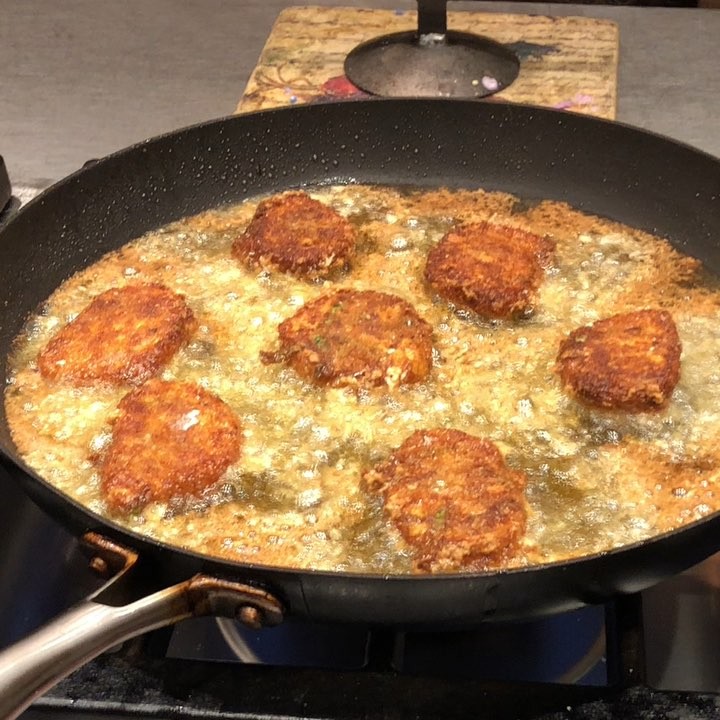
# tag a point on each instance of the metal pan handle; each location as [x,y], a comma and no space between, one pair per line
[32,666]
[432,17]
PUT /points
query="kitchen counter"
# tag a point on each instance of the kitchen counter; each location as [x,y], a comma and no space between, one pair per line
[83,78]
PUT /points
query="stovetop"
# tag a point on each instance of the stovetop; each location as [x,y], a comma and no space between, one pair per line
[122,688]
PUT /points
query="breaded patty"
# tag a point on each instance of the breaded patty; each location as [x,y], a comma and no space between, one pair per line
[453,499]
[625,362]
[171,439]
[492,270]
[356,338]
[298,235]
[125,335]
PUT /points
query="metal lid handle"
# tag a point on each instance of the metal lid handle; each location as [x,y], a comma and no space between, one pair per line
[432,17]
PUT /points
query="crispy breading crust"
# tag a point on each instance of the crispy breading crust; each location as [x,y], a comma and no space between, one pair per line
[625,362]
[356,338]
[492,270]
[125,335]
[171,439]
[295,234]
[453,499]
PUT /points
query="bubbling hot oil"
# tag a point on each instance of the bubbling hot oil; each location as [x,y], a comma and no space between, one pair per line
[296,498]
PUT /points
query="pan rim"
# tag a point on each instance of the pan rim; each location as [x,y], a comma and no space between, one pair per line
[561,114]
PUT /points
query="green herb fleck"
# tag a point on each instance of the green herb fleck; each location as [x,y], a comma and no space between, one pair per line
[440,518]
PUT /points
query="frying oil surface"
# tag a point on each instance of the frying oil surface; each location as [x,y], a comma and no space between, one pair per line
[596,479]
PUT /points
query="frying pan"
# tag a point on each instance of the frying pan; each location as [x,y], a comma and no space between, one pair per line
[635,177]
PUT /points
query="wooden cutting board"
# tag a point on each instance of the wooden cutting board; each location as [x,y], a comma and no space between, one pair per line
[565,62]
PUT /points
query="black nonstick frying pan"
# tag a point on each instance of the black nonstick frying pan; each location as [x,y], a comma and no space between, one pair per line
[612,170]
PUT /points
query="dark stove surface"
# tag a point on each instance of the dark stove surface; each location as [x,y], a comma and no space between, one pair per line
[134,687]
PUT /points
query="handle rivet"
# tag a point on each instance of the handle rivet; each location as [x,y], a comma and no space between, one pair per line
[250,616]
[99,566]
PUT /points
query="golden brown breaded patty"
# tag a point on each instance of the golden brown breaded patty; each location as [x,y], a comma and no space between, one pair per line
[296,234]
[125,335]
[625,362]
[491,269]
[453,499]
[357,338]
[171,439]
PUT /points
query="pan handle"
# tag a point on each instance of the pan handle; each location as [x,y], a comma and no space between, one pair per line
[35,664]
